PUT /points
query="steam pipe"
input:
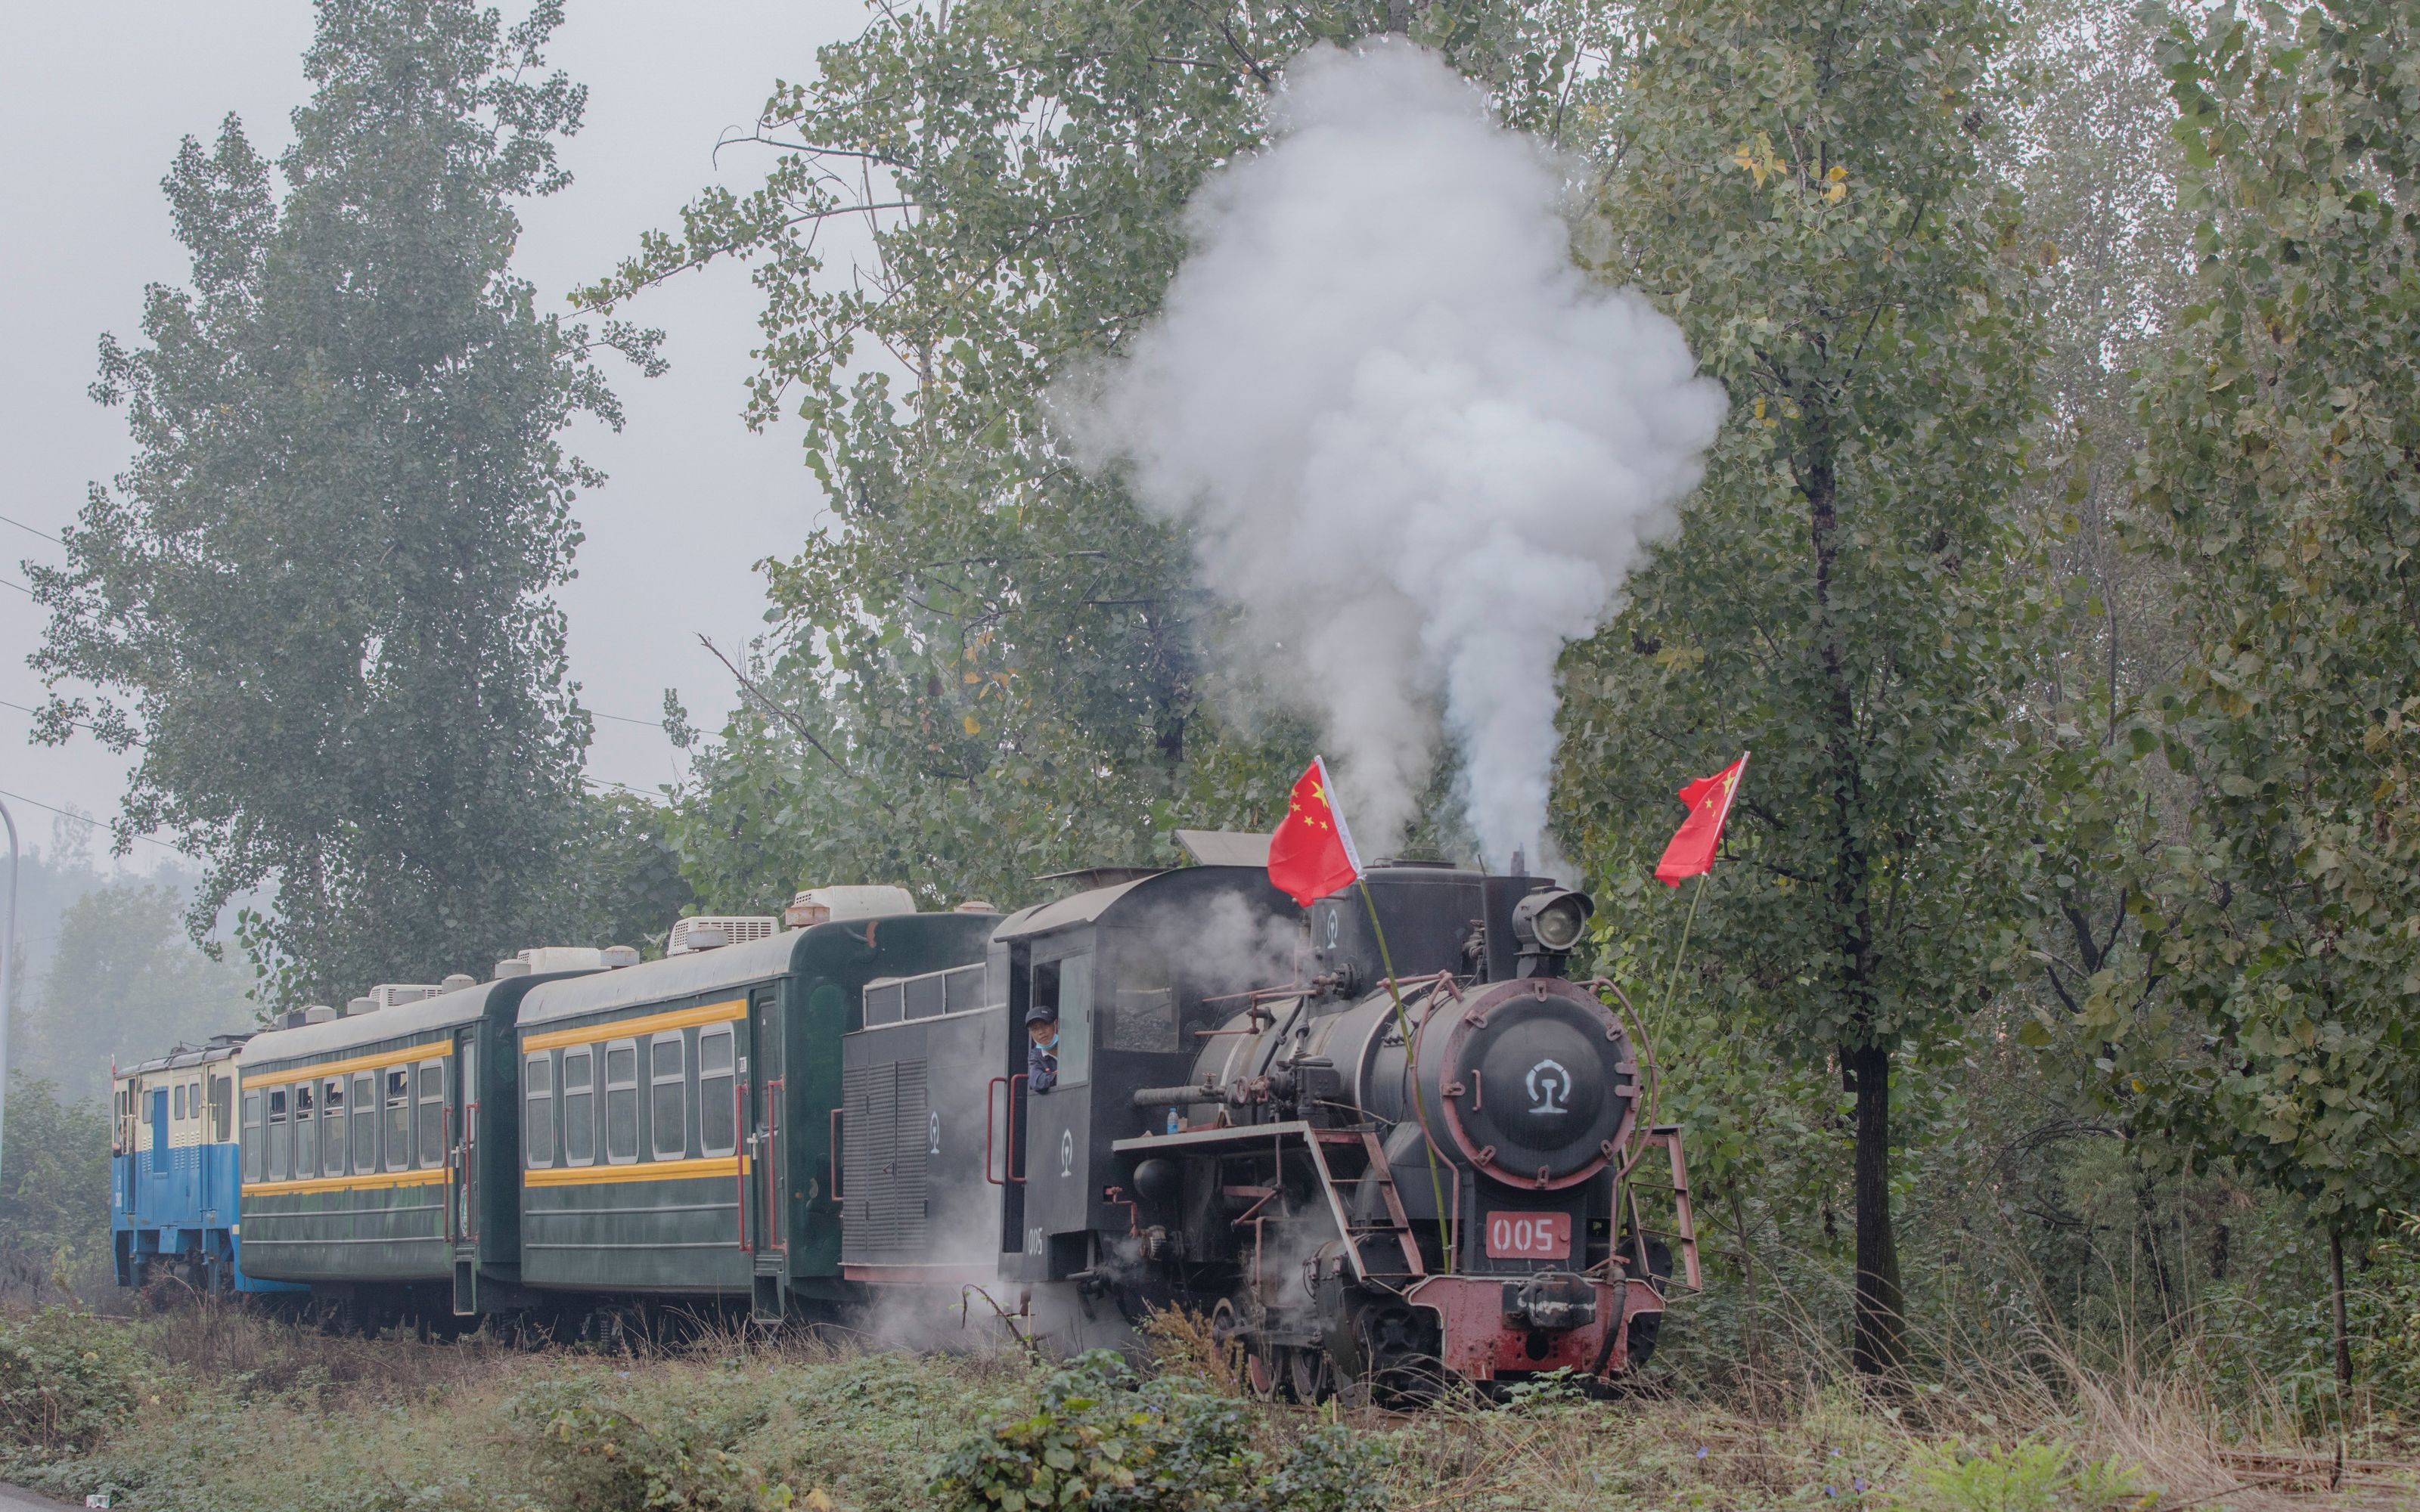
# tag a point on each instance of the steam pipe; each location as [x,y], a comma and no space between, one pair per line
[1161,1096]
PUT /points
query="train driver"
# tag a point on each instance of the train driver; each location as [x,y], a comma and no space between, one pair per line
[1042,1047]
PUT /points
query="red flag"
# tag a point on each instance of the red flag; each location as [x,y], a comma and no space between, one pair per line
[1692,851]
[1311,855]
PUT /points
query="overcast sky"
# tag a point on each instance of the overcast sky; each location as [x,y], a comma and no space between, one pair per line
[93,99]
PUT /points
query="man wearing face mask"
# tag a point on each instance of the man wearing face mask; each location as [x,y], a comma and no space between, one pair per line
[1042,1049]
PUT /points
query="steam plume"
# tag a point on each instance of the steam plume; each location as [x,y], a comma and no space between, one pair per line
[1415,445]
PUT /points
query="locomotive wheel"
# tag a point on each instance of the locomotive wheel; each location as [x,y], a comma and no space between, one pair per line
[1400,1369]
[1310,1375]
[1226,1334]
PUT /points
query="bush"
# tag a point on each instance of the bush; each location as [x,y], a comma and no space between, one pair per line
[682,1453]
[66,1379]
[1100,1439]
[2031,1476]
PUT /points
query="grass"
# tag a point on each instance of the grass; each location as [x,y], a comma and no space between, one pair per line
[234,1412]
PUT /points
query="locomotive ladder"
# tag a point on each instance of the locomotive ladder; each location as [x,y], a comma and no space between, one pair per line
[1365,1143]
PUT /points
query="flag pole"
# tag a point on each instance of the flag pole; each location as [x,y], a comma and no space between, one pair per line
[1672,982]
[1420,1103]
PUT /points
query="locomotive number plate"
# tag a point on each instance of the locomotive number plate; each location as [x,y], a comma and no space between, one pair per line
[1528,1236]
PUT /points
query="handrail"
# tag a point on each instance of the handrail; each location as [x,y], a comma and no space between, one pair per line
[995,1082]
[740,1167]
[1008,1163]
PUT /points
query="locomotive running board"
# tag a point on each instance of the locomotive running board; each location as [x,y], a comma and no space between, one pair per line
[1273,1137]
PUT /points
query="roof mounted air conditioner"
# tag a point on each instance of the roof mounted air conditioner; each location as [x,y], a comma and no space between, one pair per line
[701,933]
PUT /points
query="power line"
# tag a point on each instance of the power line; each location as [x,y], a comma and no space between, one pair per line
[31,531]
[78,723]
[20,587]
[83,818]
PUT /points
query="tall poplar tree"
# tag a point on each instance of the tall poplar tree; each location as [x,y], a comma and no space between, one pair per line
[1802,186]
[318,601]
[2281,481]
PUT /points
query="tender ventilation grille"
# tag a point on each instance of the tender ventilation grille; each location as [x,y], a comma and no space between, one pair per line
[886,1141]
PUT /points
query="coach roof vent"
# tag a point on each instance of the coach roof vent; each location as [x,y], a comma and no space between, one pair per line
[361,1004]
[396,994]
[511,965]
[617,956]
[826,905]
[318,1013]
[455,980]
[711,933]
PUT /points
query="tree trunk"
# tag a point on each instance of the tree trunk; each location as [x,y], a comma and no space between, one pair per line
[1881,1348]
[2344,1340]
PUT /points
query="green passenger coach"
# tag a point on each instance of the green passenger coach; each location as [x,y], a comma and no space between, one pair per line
[678,1116]
[380,1147]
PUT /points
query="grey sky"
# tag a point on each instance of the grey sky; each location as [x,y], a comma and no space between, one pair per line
[93,99]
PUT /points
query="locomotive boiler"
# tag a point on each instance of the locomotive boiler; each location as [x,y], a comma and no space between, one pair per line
[1411,1164]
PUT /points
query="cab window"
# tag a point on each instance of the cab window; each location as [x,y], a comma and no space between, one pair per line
[1066,985]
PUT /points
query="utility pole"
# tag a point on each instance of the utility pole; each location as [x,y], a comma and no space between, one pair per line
[7,964]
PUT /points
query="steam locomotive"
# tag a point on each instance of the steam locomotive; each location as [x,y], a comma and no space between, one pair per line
[1384,1142]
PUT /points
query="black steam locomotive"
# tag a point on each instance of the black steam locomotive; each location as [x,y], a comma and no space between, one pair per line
[1382,1143]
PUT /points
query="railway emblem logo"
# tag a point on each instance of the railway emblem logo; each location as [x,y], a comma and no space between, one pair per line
[1550,1089]
[1066,1151]
[933,1128]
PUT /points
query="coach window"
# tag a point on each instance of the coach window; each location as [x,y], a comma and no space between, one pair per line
[718,1111]
[179,1100]
[366,1121]
[667,1094]
[332,1127]
[255,1144]
[622,1101]
[306,1133]
[432,1113]
[538,1115]
[277,1135]
[579,1106]
[192,1099]
[399,1117]
[221,1091]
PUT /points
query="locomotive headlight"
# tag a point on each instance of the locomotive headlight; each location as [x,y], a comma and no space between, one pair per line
[1552,919]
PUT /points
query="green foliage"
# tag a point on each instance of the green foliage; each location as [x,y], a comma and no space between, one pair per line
[2279,480]
[604,1455]
[990,664]
[1100,1438]
[53,1186]
[2030,1475]
[67,1380]
[317,599]
[1804,189]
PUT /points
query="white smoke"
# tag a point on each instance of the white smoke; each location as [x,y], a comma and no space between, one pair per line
[1416,444]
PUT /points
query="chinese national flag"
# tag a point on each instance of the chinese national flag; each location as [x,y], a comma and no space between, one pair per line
[1311,855]
[1692,851]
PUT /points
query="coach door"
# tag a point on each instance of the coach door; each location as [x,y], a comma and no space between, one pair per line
[463,1213]
[764,1221]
